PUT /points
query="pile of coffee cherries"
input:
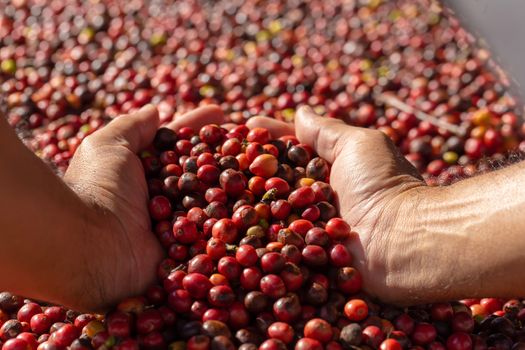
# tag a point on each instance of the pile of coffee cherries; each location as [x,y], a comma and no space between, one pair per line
[256,258]
[66,67]
[255,254]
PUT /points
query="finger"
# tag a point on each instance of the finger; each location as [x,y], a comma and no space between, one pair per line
[277,128]
[229,126]
[326,135]
[135,131]
[210,114]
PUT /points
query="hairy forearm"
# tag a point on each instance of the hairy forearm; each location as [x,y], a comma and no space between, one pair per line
[473,237]
[41,219]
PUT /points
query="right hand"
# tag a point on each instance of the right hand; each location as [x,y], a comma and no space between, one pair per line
[378,191]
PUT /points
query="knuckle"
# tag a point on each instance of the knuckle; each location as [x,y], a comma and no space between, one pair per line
[378,136]
[89,142]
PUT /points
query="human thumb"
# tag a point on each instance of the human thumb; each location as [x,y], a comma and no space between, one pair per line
[326,135]
[135,131]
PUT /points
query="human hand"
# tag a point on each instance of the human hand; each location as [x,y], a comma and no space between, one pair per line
[121,254]
[378,192]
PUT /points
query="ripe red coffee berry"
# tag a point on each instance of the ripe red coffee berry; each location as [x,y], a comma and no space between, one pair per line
[287,309]
[153,340]
[317,236]
[225,230]
[210,134]
[16,344]
[215,248]
[340,256]
[244,217]
[462,322]
[301,197]
[311,213]
[256,185]
[333,345]
[208,174]
[197,285]
[356,310]
[232,182]
[246,255]
[280,209]
[273,286]
[282,331]
[459,341]
[241,129]
[250,278]
[323,191]
[318,329]
[149,321]
[215,314]
[40,323]
[314,255]
[198,308]
[435,345]
[180,301]
[259,135]
[308,344]
[178,252]
[373,336]
[231,147]
[206,158]
[119,324]
[64,336]
[390,344]
[215,194]
[349,280]
[272,344]
[160,208]
[229,267]
[441,311]
[27,311]
[30,339]
[198,342]
[169,157]
[183,147]
[301,226]
[56,313]
[185,231]
[253,150]
[424,333]
[174,280]
[280,185]
[126,344]
[337,229]
[272,262]
[292,277]
[491,304]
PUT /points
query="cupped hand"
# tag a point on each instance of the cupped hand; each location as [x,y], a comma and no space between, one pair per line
[121,253]
[378,191]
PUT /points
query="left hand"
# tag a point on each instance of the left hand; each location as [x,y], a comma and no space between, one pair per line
[121,254]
